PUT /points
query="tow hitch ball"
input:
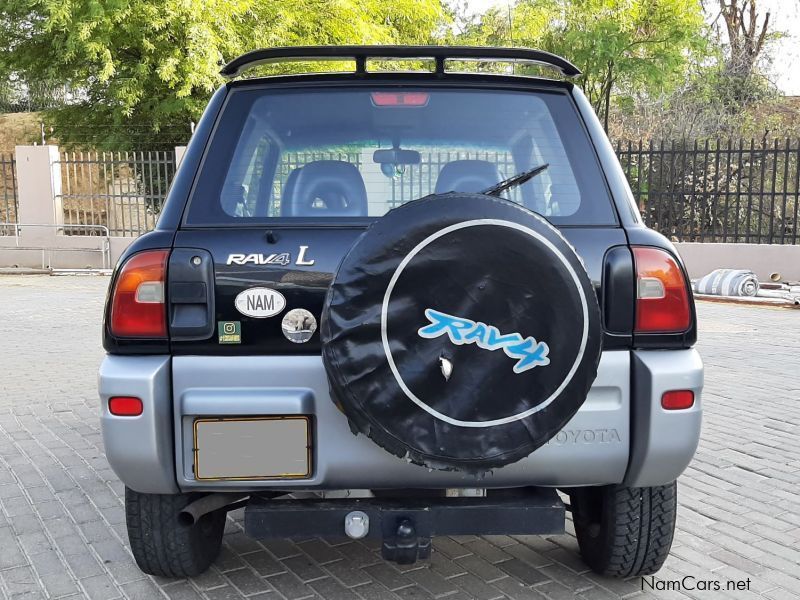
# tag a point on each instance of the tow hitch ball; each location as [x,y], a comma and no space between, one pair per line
[404,546]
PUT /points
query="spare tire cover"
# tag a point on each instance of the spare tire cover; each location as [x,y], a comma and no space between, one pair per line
[461,332]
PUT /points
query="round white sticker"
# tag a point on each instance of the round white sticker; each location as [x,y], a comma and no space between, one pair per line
[260,302]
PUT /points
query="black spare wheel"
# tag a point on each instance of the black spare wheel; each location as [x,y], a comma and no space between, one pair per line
[461,332]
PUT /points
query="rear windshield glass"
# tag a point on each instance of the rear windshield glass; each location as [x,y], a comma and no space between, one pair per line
[357,153]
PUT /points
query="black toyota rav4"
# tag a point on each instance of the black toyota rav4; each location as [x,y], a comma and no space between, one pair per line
[427,297]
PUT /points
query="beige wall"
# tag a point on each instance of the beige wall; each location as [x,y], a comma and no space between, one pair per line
[39,185]
[41,214]
[762,259]
[64,251]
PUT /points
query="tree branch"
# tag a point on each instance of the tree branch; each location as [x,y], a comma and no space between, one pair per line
[763,36]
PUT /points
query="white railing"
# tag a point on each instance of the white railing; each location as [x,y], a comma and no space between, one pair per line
[48,248]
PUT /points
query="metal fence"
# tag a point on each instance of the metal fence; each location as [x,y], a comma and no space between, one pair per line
[410,181]
[294,160]
[123,191]
[419,180]
[717,190]
[8,194]
[709,191]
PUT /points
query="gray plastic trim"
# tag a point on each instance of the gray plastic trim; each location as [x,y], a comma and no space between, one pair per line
[664,441]
[249,401]
[592,449]
[139,449]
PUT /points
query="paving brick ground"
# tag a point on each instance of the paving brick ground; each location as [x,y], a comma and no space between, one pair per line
[62,531]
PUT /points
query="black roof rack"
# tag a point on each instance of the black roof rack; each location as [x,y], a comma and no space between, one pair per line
[360,54]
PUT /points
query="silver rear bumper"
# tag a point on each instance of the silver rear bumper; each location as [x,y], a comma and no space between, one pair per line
[153,453]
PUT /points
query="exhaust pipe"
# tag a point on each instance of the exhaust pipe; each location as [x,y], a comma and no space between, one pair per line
[193,512]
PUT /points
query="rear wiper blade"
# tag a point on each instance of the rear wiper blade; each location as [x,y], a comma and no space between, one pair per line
[514,181]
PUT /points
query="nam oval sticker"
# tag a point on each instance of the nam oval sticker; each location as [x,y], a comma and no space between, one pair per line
[260,302]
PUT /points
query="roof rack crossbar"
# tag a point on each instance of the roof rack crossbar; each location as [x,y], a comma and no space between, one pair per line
[360,54]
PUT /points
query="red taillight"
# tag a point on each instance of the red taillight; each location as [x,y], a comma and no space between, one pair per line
[677,399]
[400,98]
[137,301]
[662,297]
[125,406]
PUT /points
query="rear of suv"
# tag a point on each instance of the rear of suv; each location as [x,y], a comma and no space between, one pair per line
[427,298]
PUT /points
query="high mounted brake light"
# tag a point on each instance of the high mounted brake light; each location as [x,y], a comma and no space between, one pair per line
[662,297]
[400,98]
[137,300]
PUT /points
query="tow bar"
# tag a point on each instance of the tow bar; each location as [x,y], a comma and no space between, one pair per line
[404,525]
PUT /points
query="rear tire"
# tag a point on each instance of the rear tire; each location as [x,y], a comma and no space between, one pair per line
[162,543]
[624,531]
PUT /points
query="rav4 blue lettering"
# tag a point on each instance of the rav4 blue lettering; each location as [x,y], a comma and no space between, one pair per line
[530,352]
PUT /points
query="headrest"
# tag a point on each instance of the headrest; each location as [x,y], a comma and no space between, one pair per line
[288,189]
[232,198]
[467,176]
[325,188]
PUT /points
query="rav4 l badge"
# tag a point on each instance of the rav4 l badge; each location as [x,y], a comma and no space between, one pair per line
[260,302]
[283,259]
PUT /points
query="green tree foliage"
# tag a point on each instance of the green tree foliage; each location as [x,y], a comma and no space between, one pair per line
[143,69]
[725,93]
[625,47]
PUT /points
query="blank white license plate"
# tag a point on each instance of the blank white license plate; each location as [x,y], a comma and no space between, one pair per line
[252,448]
